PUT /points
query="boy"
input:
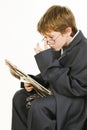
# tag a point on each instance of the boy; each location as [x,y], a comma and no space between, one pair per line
[63,67]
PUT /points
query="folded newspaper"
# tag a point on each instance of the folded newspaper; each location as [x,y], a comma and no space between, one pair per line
[17,73]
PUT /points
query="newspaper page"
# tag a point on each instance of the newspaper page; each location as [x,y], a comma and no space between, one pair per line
[17,73]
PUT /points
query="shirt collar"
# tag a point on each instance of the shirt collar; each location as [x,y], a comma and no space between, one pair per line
[75,35]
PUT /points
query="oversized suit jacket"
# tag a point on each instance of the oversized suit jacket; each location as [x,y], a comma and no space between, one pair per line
[67,76]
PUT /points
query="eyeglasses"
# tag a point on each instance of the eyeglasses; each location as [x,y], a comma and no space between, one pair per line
[51,40]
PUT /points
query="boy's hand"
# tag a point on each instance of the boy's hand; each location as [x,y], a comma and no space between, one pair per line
[28,87]
[38,49]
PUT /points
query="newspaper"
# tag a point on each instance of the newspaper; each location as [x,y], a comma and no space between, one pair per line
[17,73]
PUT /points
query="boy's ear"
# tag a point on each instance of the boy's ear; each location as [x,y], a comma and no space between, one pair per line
[68,31]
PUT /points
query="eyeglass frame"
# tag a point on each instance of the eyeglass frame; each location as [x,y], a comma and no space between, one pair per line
[51,39]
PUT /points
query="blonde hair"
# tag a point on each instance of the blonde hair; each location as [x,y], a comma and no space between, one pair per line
[57,18]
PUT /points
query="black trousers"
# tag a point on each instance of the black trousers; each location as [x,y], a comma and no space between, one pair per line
[42,113]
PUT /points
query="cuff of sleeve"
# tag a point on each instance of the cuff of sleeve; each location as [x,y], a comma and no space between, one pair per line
[22,85]
[45,59]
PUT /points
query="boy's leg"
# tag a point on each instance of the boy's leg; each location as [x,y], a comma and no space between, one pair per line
[19,110]
[42,115]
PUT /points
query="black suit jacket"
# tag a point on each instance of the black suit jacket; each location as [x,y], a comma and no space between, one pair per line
[67,76]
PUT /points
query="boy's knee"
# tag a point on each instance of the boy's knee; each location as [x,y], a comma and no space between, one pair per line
[18,96]
[37,106]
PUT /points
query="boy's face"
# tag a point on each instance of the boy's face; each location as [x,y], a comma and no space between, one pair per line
[56,40]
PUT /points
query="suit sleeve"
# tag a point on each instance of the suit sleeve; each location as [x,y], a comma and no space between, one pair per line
[68,81]
[39,77]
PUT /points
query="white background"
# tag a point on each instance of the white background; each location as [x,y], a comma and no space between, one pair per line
[18,37]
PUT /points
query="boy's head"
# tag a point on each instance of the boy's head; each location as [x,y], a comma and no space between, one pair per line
[57,18]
